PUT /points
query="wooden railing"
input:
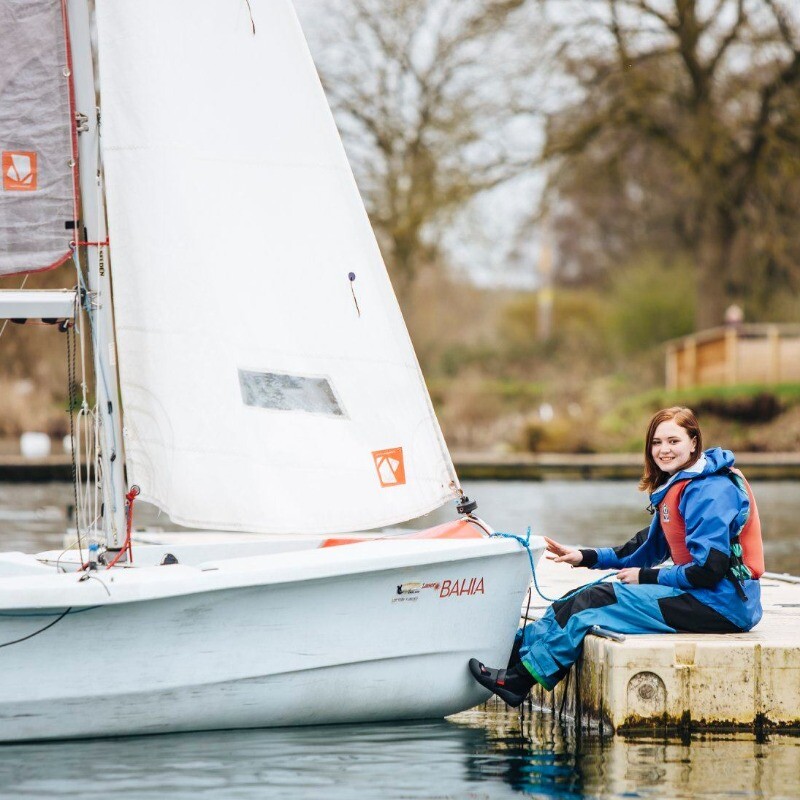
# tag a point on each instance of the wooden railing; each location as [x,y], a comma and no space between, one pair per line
[751,354]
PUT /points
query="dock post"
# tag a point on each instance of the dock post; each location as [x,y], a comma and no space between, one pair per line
[691,361]
[672,369]
[731,356]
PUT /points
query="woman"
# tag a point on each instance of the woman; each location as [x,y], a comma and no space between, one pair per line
[704,518]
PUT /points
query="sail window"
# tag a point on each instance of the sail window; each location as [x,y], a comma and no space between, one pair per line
[289,393]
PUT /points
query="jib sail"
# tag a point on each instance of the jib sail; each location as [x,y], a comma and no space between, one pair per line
[267,378]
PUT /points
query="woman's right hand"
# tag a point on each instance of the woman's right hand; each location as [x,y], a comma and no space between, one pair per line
[563,554]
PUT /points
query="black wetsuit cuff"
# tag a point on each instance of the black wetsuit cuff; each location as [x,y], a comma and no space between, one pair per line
[648,576]
[589,558]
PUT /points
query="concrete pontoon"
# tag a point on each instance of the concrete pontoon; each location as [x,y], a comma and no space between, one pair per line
[687,682]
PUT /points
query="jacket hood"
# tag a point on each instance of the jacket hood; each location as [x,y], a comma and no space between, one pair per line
[716,460]
[710,462]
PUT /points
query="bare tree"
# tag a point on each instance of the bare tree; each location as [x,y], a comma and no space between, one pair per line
[684,132]
[433,99]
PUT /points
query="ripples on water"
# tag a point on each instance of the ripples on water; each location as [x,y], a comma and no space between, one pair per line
[485,753]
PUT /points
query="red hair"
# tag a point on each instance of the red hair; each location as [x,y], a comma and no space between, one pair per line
[653,476]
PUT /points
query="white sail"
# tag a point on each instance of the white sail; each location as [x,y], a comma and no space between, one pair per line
[263,389]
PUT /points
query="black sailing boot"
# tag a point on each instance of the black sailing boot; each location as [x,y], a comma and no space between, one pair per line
[511,685]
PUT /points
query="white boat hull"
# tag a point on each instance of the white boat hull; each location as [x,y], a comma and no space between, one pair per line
[367,632]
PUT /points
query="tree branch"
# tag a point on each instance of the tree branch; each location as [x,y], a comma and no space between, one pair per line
[729,39]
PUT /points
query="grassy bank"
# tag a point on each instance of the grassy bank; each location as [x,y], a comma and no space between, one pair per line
[536,418]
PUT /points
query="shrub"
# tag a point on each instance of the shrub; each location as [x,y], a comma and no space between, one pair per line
[650,302]
[762,407]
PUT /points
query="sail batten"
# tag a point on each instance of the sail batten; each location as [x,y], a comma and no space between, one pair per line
[267,377]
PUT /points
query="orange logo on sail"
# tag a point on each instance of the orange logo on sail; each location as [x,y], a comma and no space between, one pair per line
[19,172]
[389,463]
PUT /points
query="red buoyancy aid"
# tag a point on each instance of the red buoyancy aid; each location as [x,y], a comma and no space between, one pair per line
[674,527]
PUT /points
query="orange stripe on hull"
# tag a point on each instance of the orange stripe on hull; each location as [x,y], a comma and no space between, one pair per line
[458,529]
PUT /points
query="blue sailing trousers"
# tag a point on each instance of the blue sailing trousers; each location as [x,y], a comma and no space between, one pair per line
[549,646]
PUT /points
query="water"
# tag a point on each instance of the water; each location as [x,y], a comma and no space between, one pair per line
[605,513]
[485,753]
[592,513]
[480,754]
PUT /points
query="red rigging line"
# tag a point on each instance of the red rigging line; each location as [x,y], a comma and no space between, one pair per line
[127,545]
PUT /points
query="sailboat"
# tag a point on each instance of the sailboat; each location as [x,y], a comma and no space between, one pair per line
[254,380]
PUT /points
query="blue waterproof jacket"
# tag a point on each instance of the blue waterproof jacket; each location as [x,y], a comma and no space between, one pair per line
[714,509]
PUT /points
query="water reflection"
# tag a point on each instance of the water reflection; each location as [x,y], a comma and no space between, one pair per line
[485,753]
[533,754]
[421,760]
[544,757]
[465,758]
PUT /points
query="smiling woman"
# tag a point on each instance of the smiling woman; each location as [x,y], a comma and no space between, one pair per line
[673,442]
[704,518]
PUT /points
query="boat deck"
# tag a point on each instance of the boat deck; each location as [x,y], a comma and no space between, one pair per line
[688,682]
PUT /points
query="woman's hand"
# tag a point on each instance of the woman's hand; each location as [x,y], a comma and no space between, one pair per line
[564,554]
[628,575]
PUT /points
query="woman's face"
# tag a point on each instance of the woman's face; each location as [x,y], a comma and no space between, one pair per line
[672,448]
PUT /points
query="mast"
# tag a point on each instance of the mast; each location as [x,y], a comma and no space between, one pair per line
[99,302]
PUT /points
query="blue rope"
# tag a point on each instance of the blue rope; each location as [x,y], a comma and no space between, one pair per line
[526,543]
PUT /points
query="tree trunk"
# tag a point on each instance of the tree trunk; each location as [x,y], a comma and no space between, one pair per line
[402,268]
[715,289]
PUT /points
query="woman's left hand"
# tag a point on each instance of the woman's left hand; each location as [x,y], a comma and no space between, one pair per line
[628,575]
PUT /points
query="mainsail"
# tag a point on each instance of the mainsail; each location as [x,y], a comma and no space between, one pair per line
[267,376]
[37,194]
